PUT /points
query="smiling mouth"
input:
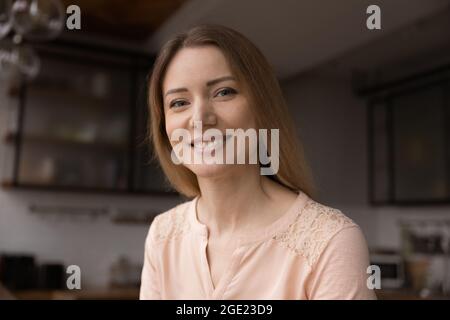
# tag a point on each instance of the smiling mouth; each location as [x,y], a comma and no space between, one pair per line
[207,145]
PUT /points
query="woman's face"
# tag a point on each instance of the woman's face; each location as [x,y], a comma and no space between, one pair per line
[200,89]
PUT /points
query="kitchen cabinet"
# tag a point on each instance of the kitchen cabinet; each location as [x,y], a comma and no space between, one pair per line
[82,123]
[409,140]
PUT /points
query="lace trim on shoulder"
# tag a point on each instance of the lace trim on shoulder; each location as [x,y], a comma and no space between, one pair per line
[310,232]
[171,224]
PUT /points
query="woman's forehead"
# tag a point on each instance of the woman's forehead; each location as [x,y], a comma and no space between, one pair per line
[196,65]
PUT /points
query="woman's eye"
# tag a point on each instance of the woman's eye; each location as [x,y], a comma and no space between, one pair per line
[226,91]
[177,103]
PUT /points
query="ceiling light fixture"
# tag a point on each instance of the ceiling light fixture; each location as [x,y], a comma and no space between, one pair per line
[34,20]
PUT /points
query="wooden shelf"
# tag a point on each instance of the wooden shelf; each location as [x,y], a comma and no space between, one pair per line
[12,137]
[133,294]
[89,294]
[81,100]
[10,185]
[61,92]
[405,294]
[55,187]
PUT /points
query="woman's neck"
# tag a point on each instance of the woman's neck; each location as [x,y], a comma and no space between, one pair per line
[238,202]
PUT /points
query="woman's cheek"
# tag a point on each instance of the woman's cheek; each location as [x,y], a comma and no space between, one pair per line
[173,122]
[170,127]
[239,114]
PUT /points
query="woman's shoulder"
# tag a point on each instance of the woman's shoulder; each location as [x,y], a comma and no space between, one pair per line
[171,223]
[313,228]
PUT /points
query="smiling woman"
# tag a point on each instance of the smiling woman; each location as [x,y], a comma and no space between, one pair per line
[243,235]
[234,74]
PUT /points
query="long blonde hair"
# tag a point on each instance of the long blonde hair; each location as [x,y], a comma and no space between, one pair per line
[250,66]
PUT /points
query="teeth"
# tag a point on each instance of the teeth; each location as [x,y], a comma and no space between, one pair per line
[201,146]
[204,144]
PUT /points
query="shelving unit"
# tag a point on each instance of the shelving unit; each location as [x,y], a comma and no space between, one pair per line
[82,124]
[12,137]
[408,123]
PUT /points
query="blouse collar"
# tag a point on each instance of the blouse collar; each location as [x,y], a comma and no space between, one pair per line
[262,234]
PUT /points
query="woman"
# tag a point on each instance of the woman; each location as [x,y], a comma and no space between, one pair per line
[243,235]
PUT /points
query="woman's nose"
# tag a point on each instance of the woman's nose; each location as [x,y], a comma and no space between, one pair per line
[204,112]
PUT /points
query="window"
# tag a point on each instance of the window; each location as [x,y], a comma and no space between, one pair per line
[409,141]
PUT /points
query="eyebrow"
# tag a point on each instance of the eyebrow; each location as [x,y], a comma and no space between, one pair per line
[208,84]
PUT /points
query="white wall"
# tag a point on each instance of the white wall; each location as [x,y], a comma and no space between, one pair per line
[332,123]
[93,244]
[298,35]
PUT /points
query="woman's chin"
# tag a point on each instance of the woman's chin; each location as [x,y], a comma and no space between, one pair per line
[208,170]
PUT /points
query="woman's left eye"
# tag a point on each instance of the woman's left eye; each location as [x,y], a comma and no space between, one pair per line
[225,92]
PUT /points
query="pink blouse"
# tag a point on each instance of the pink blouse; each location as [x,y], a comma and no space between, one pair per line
[311,252]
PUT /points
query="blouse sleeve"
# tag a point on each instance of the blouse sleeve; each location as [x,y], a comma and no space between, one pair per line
[340,273]
[150,289]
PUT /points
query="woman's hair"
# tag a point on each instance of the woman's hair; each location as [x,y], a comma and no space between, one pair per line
[266,100]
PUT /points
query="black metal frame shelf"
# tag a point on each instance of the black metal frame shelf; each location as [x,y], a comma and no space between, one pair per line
[383,96]
[10,185]
[134,63]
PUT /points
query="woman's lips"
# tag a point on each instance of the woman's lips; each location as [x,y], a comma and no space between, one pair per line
[203,145]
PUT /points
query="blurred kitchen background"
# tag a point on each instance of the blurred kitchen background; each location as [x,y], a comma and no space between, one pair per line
[78,186]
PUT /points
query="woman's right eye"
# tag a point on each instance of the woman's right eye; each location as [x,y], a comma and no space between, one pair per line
[177,103]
